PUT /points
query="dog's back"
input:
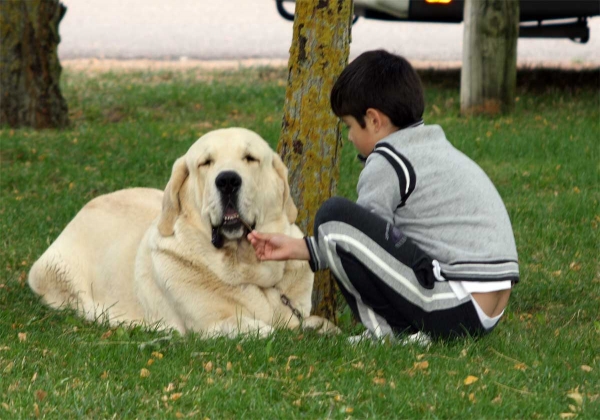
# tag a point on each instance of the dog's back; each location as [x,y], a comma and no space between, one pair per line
[90,266]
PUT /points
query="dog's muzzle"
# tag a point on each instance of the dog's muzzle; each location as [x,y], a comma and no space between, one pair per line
[228,184]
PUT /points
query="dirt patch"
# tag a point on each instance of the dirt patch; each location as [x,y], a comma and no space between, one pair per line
[109,65]
[539,75]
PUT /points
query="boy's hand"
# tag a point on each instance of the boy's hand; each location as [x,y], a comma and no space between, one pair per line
[277,247]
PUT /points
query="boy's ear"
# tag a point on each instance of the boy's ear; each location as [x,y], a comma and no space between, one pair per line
[374,118]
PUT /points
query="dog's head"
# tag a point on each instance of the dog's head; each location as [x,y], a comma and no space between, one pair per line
[233,181]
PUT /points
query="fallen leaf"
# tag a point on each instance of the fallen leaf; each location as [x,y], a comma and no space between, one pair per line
[576,397]
[104,375]
[470,380]
[106,335]
[41,395]
[358,365]
[208,367]
[497,400]
[586,368]
[157,355]
[421,365]
[150,362]
[170,387]
[22,337]
[472,397]
[567,415]
[175,396]
[379,381]
[575,266]
[229,366]
[144,373]
[521,366]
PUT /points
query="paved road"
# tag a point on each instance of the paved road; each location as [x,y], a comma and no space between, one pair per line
[240,29]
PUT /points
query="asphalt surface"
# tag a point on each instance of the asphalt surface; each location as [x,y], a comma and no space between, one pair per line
[251,29]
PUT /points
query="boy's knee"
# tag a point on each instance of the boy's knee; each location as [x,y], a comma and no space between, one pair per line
[331,210]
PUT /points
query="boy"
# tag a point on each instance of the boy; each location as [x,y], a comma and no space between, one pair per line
[428,247]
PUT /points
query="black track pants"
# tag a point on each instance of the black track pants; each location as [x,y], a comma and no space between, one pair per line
[387,280]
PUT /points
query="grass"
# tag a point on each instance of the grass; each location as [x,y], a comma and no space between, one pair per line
[542,361]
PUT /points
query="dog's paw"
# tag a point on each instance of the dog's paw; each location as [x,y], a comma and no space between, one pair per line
[321,325]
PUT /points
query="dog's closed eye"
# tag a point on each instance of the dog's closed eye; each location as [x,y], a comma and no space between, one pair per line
[250,159]
[205,162]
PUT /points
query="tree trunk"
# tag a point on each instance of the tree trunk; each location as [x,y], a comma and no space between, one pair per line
[310,140]
[489,65]
[29,67]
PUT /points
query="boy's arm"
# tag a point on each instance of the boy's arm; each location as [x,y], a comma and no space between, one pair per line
[278,247]
[379,187]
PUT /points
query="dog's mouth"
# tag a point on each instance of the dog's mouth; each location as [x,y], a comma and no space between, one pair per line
[232,227]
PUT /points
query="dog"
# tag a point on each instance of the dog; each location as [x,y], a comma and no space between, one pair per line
[180,259]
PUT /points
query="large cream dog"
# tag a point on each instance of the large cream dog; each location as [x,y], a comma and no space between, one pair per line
[181,259]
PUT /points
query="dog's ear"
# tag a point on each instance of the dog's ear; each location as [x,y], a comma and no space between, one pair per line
[171,206]
[288,203]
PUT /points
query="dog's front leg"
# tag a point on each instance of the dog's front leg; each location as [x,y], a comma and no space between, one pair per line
[240,325]
[321,325]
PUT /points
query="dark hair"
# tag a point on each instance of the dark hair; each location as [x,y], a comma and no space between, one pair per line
[380,80]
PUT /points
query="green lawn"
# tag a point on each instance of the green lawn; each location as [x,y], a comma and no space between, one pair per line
[542,361]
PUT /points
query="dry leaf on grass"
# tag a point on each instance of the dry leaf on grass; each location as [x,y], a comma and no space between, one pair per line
[421,365]
[175,396]
[567,415]
[22,337]
[521,366]
[470,380]
[379,381]
[586,368]
[144,373]
[41,395]
[576,397]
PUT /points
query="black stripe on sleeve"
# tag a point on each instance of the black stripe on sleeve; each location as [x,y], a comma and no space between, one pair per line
[402,176]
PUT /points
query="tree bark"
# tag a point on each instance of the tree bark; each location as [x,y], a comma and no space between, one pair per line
[489,64]
[29,67]
[310,139]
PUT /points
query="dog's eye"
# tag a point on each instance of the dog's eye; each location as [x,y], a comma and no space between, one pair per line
[250,159]
[206,162]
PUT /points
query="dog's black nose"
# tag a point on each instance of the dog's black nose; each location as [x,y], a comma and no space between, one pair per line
[228,182]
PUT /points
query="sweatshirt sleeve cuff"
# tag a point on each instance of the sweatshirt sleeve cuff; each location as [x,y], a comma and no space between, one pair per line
[313,261]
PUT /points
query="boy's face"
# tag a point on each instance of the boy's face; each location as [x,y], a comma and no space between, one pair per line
[377,127]
[361,138]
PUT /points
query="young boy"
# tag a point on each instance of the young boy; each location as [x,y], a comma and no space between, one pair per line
[428,247]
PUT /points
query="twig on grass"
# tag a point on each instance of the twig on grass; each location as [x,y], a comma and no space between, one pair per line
[514,389]
[508,358]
